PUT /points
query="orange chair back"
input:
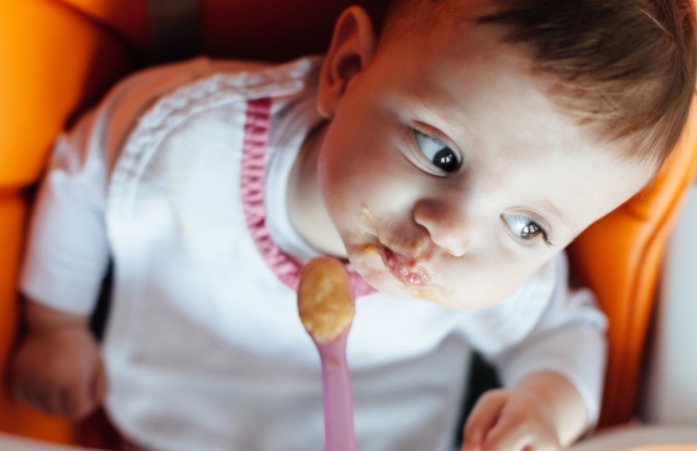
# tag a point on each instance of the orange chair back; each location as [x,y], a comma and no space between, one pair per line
[620,258]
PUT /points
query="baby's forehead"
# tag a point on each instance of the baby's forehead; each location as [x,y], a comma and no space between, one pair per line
[455,22]
[487,94]
[421,16]
[625,69]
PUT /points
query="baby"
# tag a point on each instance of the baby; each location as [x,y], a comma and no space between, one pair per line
[448,157]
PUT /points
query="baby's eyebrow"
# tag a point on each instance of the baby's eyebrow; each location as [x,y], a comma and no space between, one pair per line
[554,210]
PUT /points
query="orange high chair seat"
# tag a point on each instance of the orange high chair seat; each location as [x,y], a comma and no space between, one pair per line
[60,56]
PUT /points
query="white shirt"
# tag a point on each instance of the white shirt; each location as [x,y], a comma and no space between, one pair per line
[204,349]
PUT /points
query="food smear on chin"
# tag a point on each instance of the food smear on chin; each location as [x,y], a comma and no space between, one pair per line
[371,250]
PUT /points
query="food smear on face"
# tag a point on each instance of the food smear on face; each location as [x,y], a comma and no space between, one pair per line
[407,270]
[325,300]
[423,289]
[366,216]
[371,250]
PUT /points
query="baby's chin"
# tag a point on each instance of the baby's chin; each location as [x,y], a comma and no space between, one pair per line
[380,278]
[389,285]
[433,295]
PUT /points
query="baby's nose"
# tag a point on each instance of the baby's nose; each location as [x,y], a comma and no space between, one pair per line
[446,224]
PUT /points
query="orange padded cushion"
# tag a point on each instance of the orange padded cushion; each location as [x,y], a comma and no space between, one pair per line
[620,258]
[47,52]
[128,18]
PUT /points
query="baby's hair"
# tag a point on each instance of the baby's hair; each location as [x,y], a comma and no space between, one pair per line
[626,68]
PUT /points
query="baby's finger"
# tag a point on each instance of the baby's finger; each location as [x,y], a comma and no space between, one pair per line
[20,393]
[79,402]
[24,395]
[510,433]
[100,383]
[53,401]
[484,416]
[517,431]
[87,395]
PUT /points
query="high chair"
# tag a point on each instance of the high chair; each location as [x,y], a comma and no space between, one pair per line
[60,56]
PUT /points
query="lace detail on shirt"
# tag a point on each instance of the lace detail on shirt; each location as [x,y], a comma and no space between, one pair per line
[173,110]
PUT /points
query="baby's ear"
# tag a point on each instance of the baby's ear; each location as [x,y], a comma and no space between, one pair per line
[350,51]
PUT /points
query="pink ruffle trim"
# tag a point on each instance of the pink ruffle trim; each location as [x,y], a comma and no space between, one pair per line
[256,133]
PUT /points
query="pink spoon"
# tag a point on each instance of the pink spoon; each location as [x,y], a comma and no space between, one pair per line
[326,306]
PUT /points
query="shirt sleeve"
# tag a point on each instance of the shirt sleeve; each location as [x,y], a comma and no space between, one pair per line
[67,251]
[68,248]
[546,326]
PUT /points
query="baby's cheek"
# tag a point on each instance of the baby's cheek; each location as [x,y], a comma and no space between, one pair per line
[474,285]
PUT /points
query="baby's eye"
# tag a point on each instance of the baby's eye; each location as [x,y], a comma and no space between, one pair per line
[524,227]
[442,156]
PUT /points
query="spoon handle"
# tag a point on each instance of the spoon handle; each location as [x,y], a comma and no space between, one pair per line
[339,431]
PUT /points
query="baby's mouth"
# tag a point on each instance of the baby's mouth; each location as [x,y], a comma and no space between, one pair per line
[406,269]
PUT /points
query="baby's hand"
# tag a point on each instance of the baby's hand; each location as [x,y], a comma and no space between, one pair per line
[510,420]
[59,370]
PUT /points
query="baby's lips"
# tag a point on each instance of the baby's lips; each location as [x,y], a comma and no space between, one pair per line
[404,267]
[407,269]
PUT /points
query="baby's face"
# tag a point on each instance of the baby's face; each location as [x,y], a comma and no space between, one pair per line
[451,175]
